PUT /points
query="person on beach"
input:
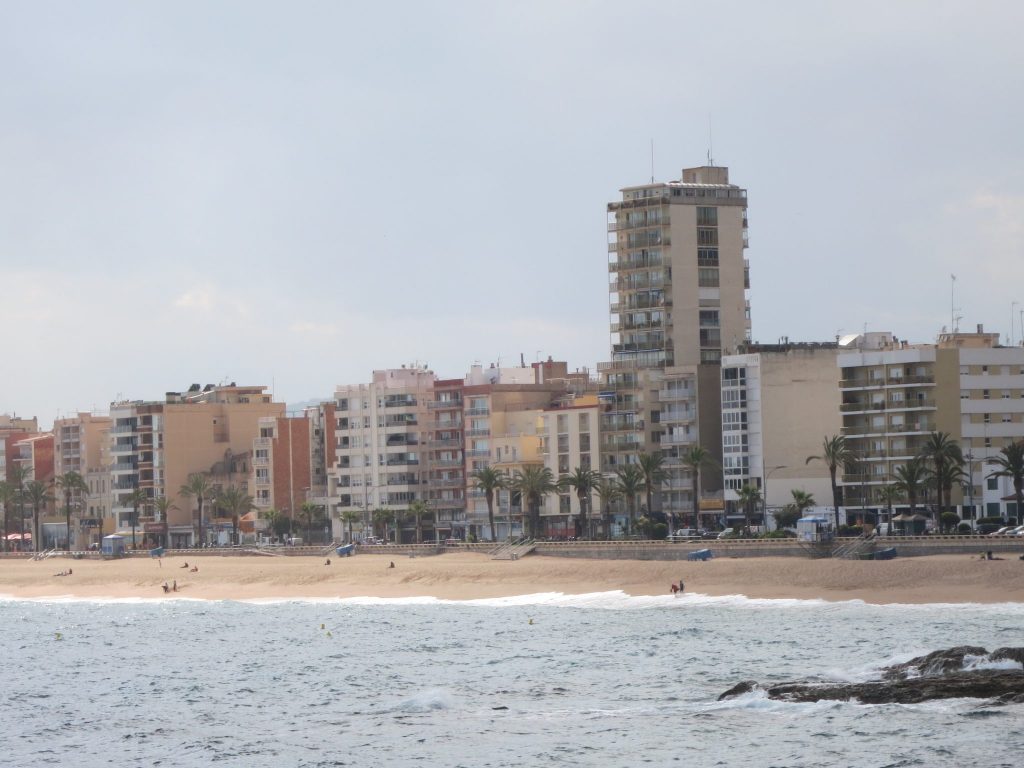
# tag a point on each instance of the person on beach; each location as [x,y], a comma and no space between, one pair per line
[681,586]
[175,587]
[674,588]
[194,569]
[328,561]
[185,565]
[166,587]
[392,564]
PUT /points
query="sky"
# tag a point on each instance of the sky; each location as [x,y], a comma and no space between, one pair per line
[296,194]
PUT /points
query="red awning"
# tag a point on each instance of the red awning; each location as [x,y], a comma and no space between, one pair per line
[18,537]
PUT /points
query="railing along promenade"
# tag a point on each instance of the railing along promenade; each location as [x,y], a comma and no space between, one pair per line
[637,549]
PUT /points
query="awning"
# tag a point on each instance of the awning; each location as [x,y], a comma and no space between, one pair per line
[18,537]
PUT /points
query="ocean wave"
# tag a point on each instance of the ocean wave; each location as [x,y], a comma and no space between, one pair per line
[614,600]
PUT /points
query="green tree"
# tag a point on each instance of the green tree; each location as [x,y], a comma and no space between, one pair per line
[489,480]
[789,514]
[37,494]
[235,502]
[278,523]
[348,517]
[835,453]
[419,510]
[399,515]
[534,482]
[199,487]
[630,481]
[945,462]
[582,481]
[71,483]
[888,494]
[911,481]
[948,521]
[609,493]
[17,476]
[750,497]
[8,494]
[695,459]
[310,512]
[1011,464]
[380,517]
[651,465]
[137,498]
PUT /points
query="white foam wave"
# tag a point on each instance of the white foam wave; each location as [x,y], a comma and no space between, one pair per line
[610,600]
[427,701]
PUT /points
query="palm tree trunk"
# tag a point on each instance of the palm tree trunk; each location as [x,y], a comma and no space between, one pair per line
[489,496]
[835,493]
[199,541]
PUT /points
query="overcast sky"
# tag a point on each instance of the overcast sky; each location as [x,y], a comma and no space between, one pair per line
[298,193]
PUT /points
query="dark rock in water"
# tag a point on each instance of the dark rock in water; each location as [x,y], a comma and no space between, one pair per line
[936,663]
[939,675]
[739,689]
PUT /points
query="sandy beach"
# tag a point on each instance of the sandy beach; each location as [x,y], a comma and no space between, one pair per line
[466,576]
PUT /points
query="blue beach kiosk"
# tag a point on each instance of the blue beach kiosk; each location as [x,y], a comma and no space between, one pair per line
[113,546]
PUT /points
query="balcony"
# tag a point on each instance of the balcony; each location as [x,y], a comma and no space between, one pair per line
[445,442]
[444,405]
[478,453]
[446,482]
[478,432]
[123,466]
[667,441]
[674,395]
[480,410]
[447,463]
[400,402]
[628,265]
[122,448]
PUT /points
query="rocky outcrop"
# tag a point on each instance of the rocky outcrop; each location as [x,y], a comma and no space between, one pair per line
[946,674]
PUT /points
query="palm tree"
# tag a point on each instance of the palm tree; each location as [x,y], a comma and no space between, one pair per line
[489,480]
[201,488]
[749,498]
[888,494]
[37,495]
[137,498]
[947,462]
[1011,464]
[310,511]
[582,481]
[7,495]
[630,480]
[418,509]
[835,453]
[399,515]
[695,459]
[71,483]
[17,476]
[609,492]
[534,482]
[235,502]
[793,511]
[911,481]
[163,507]
[274,520]
[348,517]
[654,475]
[381,516]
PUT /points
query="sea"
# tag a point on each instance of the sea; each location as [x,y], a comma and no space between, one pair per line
[540,680]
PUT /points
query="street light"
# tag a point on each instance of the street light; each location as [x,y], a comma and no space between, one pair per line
[764,498]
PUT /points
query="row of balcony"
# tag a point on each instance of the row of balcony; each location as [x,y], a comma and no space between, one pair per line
[897,405]
[444,405]
[891,381]
[887,429]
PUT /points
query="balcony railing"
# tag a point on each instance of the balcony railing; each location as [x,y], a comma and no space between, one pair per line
[444,405]
[478,432]
[445,442]
[478,411]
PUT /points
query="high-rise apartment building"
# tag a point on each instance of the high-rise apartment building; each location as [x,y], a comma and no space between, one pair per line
[678,302]
[82,445]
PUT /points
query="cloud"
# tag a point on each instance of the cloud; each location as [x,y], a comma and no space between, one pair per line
[208,299]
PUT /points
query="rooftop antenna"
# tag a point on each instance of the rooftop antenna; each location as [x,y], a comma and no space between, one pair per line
[1013,305]
[711,159]
[652,161]
[952,303]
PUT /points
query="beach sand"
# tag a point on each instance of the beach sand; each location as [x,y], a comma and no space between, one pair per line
[467,575]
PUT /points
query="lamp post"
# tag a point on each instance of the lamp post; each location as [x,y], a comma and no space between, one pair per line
[764,499]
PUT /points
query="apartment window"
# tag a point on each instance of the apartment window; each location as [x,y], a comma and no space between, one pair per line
[965,394]
[585,441]
[707,236]
[1006,394]
[707,217]
[710,356]
[987,418]
[988,442]
[707,257]
[709,318]
[584,422]
[965,370]
[710,337]
[984,369]
[993,483]
[985,394]
[1007,418]
[707,277]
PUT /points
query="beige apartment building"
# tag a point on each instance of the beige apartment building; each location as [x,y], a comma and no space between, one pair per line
[571,440]
[155,446]
[678,301]
[82,445]
[894,396]
[779,403]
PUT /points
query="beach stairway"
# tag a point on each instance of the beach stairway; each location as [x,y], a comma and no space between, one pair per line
[513,550]
[45,554]
[852,550]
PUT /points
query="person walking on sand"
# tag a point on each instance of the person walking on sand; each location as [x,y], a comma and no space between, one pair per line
[674,588]
[175,587]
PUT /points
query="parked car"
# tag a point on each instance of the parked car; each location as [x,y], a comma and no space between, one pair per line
[684,534]
[1002,531]
[1018,531]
